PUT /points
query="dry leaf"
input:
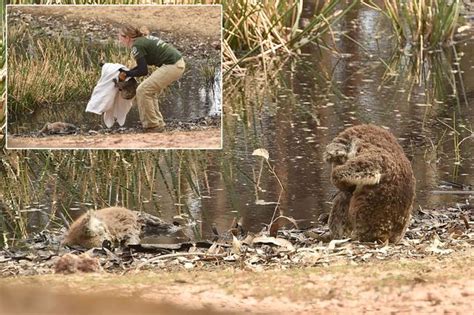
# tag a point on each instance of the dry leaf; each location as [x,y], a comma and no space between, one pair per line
[261,202]
[236,245]
[280,222]
[333,243]
[281,242]
[261,152]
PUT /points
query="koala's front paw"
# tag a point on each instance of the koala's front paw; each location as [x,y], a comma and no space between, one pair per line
[335,153]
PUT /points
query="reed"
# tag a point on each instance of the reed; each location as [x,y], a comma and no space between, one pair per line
[60,179]
[462,135]
[3,77]
[436,73]
[254,29]
[258,30]
[209,71]
[423,24]
[424,29]
[46,70]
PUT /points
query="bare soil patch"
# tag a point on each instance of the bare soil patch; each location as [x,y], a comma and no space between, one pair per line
[434,285]
[200,139]
[183,20]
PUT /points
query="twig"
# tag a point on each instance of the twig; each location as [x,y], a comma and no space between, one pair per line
[176,255]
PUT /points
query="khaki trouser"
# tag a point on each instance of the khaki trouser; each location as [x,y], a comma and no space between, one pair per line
[148,90]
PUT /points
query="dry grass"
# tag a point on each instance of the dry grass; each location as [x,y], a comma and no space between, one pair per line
[424,24]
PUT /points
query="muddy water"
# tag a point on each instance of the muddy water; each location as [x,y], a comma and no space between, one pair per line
[295,115]
[188,99]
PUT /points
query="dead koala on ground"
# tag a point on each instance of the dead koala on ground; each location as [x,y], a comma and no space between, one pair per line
[57,128]
[113,227]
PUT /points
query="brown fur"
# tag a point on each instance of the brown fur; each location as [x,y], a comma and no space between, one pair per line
[376,184]
[117,225]
[57,127]
[127,89]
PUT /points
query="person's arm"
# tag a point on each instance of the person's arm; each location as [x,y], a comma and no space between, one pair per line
[140,70]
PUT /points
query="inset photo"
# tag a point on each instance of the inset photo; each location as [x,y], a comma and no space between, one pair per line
[114,77]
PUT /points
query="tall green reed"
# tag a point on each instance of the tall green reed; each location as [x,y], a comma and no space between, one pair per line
[259,30]
[426,55]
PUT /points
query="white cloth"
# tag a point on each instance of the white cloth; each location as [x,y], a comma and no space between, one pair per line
[106,99]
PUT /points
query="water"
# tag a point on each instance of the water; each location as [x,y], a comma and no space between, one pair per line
[295,115]
[185,100]
[297,111]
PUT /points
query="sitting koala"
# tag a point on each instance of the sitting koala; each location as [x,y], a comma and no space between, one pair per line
[376,185]
[127,88]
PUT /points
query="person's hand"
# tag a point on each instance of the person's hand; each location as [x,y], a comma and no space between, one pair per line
[122,75]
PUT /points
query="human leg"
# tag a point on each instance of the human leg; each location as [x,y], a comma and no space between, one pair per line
[147,91]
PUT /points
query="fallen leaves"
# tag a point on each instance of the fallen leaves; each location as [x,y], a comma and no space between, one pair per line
[280,222]
[282,245]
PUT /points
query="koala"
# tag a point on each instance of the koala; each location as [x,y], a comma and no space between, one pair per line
[375,182]
[57,128]
[117,225]
[127,88]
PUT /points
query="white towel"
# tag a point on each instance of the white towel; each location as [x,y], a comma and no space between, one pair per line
[106,99]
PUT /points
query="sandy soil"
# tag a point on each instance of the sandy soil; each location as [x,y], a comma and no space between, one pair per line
[183,20]
[200,139]
[431,285]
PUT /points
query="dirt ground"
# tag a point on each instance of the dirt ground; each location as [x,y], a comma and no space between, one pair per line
[194,21]
[200,139]
[430,285]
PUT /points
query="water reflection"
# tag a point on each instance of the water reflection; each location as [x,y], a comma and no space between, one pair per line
[298,113]
[186,100]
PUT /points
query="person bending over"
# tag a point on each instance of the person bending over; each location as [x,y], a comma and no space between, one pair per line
[151,50]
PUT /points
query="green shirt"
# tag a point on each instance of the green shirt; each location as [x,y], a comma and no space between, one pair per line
[155,51]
